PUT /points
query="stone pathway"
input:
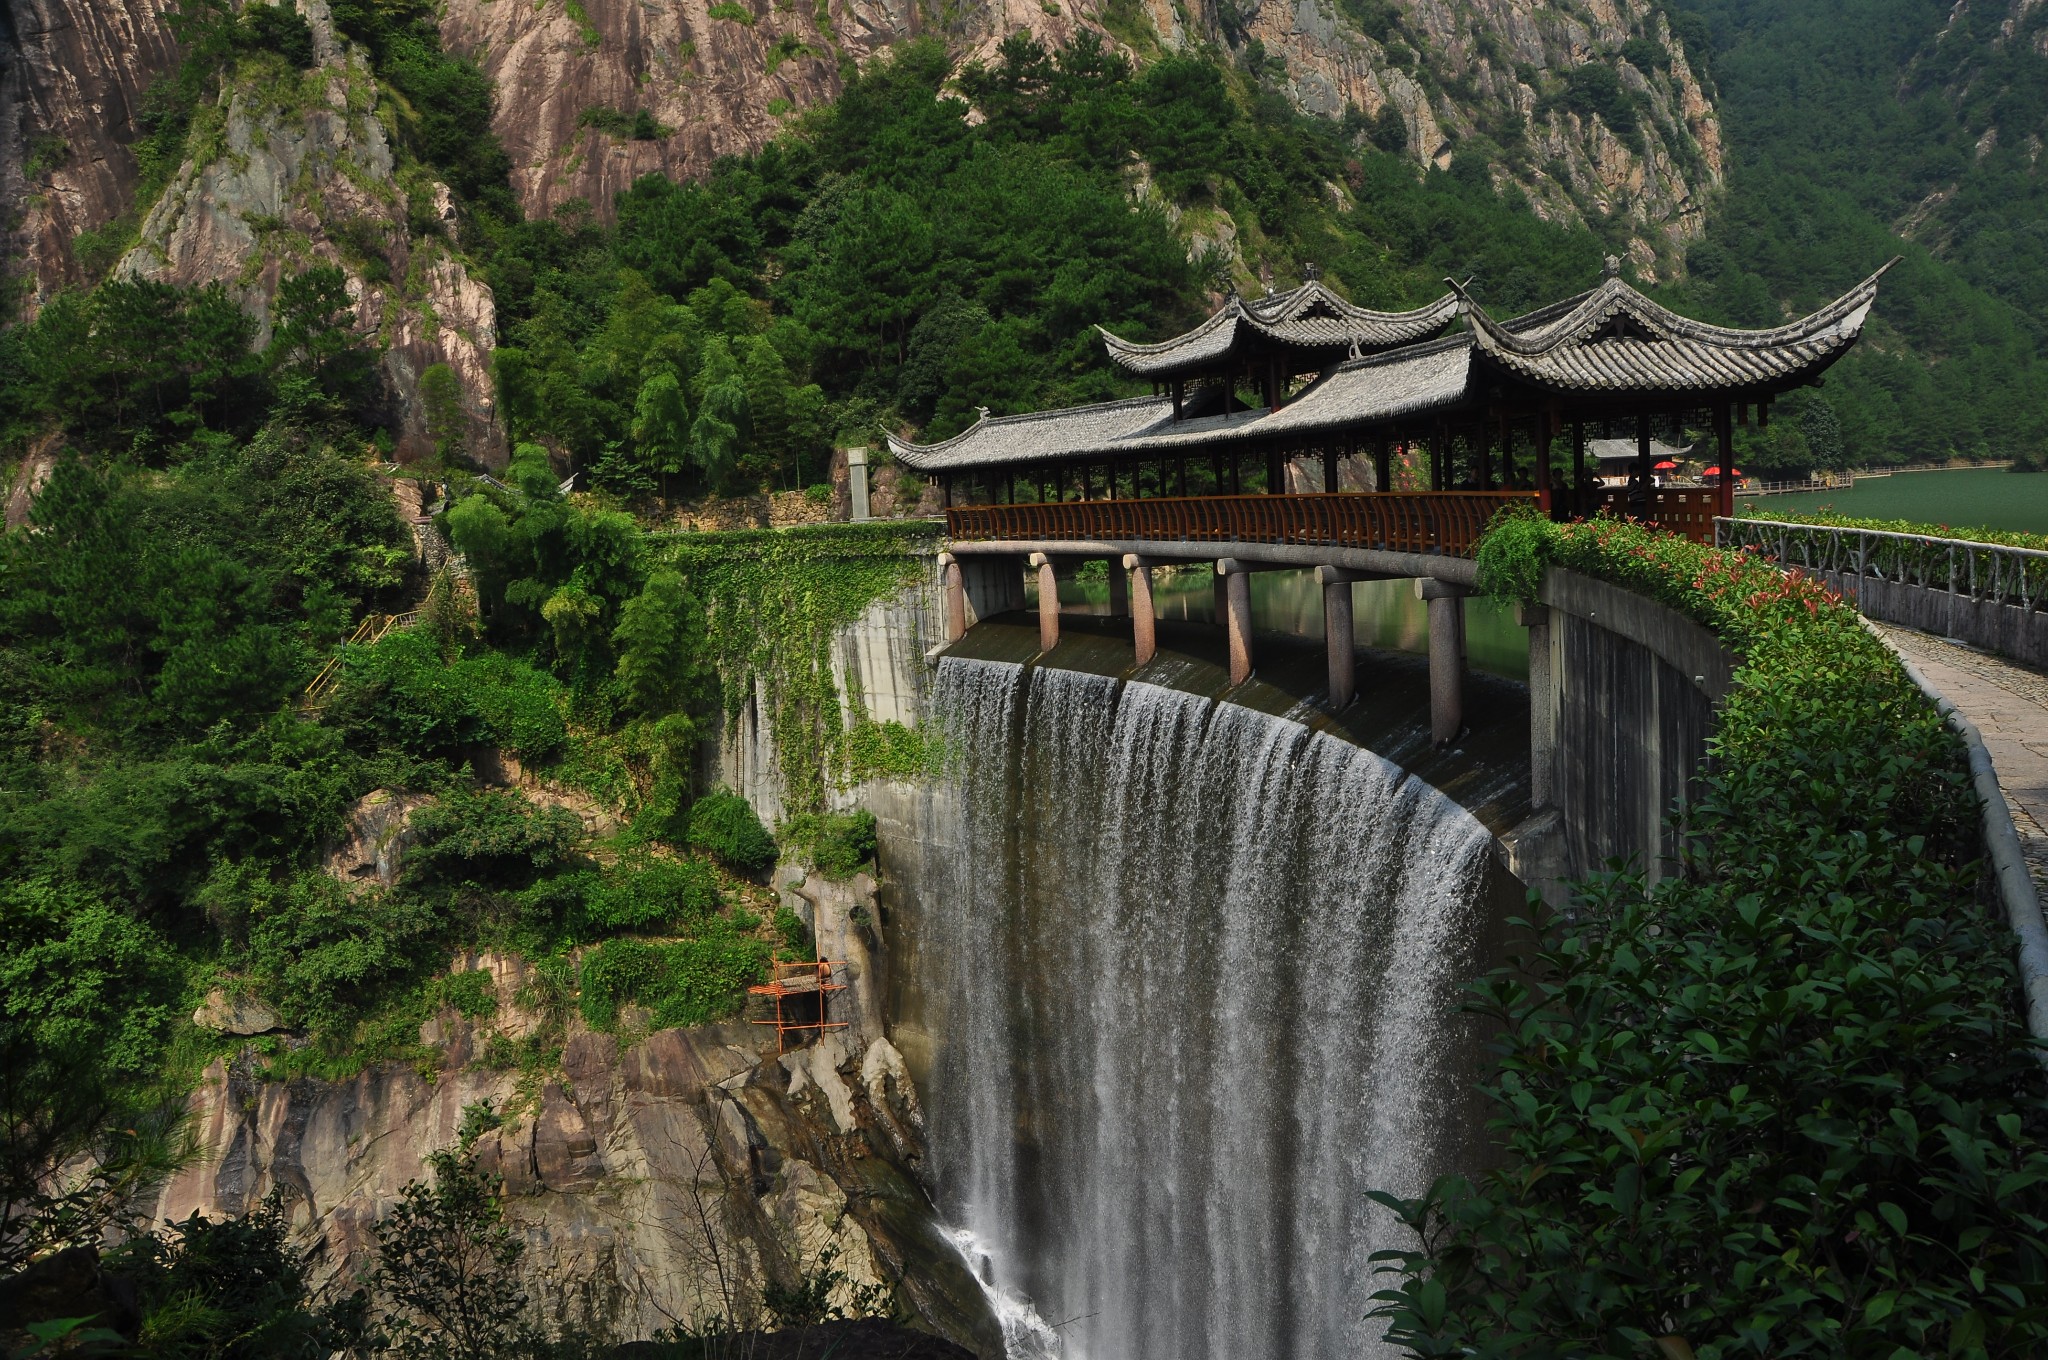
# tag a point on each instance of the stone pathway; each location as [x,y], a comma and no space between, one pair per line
[2008,703]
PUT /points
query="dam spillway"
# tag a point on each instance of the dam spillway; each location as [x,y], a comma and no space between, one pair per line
[1189,975]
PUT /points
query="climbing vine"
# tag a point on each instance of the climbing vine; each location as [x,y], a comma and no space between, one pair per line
[774,600]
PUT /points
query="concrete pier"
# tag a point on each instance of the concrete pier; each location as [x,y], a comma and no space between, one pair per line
[1336,584]
[1542,708]
[1446,658]
[954,584]
[1144,620]
[1236,588]
[1048,603]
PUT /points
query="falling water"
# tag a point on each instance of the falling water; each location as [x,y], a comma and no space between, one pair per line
[1190,973]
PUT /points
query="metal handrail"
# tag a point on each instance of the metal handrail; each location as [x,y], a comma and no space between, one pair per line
[1447,522]
[371,631]
[1956,566]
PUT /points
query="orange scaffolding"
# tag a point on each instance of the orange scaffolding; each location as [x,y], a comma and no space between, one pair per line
[800,991]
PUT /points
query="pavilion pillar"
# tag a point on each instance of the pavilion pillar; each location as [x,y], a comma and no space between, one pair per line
[1544,425]
[1446,657]
[1237,613]
[1144,620]
[1382,463]
[1580,503]
[1048,603]
[1483,458]
[1179,390]
[1724,445]
[1641,509]
[956,597]
[1119,591]
[1338,635]
[1276,472]
[1542,708]
[1329,470]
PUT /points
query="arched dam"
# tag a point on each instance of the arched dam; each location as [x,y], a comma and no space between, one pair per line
[1177,962]
[1180,968]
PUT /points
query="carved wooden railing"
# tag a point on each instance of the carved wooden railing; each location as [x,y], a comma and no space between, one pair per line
[1688,511]
[1448,522]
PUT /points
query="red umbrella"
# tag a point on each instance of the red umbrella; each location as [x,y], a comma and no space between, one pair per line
[1715,472]
[1665,466]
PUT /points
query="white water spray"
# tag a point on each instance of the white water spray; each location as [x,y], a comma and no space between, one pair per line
[1191,976]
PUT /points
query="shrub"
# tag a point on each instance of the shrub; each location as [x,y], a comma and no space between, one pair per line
[724,824]
[490,840]
[684,982]
[326,956]
[650,892]
[1783,1104]
[836,843]
[429,706]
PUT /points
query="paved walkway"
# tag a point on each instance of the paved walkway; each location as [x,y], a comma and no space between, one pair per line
[2009,704]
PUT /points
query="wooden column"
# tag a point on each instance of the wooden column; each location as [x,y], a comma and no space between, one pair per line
[1446,658]
[1329,470]
[1144,620]
[1382,463]
[1482,460]
[1337,635]
[1237,590]
[1119,590]
[1178,393]
[1724,445]
[1643,471]
[1580,491]
[1544,425]
[1048,603]
[1276,472]
[956,597]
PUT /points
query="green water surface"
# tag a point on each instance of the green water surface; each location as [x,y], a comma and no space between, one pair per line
[1988,497]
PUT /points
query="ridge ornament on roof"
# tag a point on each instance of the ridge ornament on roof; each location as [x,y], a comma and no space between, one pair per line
[1311,321]
[1614,339]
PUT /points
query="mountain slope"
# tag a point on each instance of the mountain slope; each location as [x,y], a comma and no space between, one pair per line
[1864,128]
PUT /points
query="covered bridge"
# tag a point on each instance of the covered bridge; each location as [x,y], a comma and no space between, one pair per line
[1343,391]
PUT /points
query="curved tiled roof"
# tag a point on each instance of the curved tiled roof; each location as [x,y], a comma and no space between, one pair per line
[1615,339]
[1611,340]
[1308,317]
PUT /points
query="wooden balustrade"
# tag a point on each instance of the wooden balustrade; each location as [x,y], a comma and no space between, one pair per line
[1688,511]
[1447,522]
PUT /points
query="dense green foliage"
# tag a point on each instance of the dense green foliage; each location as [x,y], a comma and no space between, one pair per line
[1849,125]
[726,825]
[837,844]
[1784,1103]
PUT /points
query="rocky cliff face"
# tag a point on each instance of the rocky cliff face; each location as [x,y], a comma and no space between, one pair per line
[1486,74]
[72,77]
[657,1181]
[295,168]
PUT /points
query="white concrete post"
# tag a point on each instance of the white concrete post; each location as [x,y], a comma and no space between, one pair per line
[857,482]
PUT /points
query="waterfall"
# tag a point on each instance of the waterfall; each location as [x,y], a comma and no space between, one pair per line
[1190,973]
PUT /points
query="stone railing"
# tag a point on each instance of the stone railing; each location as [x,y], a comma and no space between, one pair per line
[1985,594]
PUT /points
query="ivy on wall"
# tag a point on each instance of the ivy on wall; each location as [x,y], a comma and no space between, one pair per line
[774,600]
